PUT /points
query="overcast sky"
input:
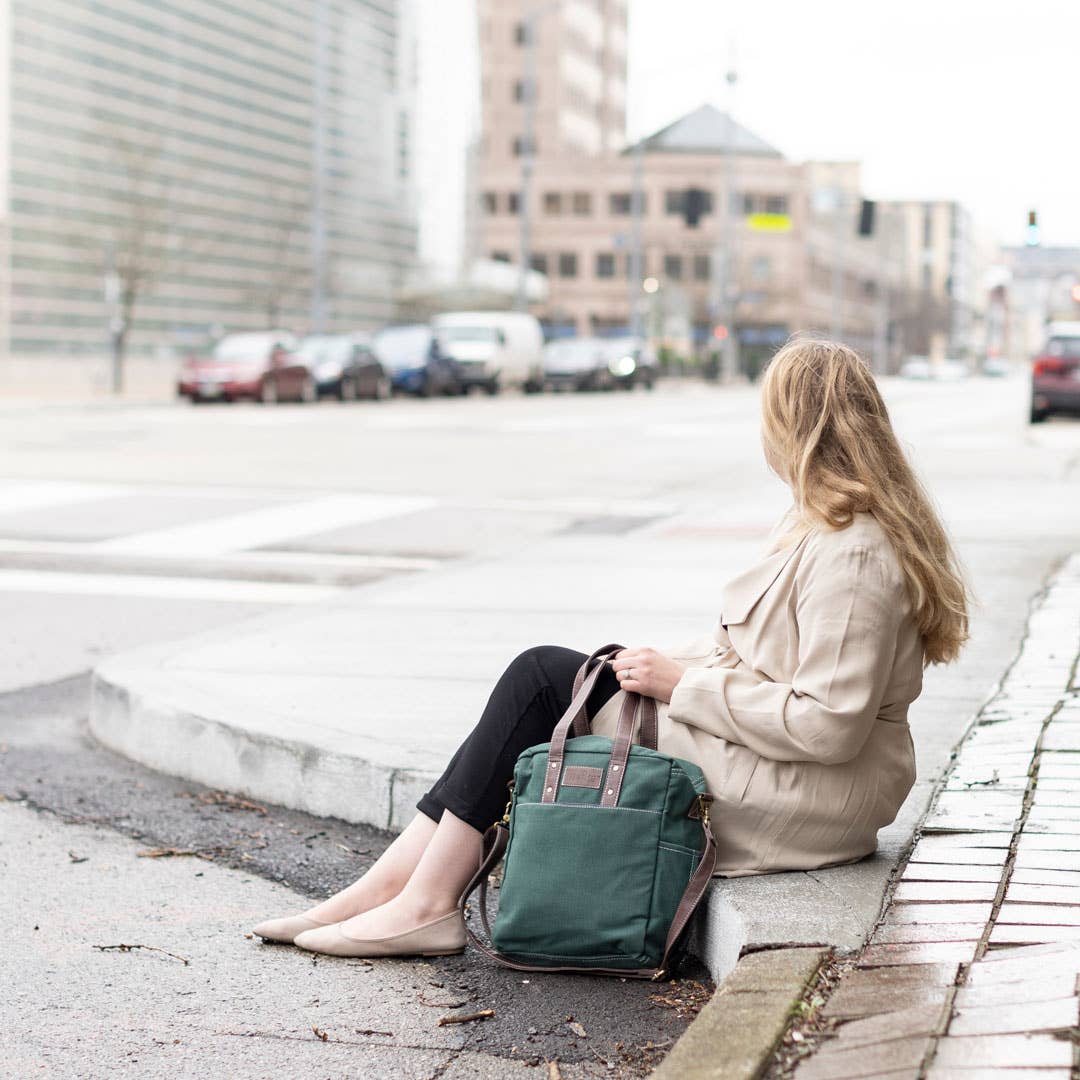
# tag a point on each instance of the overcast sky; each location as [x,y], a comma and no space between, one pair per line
[975,100]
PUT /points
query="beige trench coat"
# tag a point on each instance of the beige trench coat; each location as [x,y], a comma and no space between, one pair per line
[795,707]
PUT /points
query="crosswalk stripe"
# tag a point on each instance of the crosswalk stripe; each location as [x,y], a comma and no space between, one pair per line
[16,498]
[162,588]
[259,528]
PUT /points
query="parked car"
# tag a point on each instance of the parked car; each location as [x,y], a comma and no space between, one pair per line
[344,366]
[599,364]
[493,349]
[1055,373]
[631,362]
[259,365]
[576,364]
[415,361]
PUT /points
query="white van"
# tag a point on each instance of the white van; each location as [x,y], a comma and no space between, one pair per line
[493,348]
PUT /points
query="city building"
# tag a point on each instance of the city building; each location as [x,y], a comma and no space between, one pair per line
[941,261]
[1038,289]
[786,256]
[173,170]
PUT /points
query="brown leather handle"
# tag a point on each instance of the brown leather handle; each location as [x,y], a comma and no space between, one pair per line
[649,734]
[557,744]
[580,722]
[576,718]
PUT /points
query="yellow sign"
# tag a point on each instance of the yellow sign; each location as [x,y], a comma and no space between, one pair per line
[769,222]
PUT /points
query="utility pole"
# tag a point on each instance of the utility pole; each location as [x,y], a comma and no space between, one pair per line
[528,158]
[320,75]
[729,289]
[841,224]
[635,271]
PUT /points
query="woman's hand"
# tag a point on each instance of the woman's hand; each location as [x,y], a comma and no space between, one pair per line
[648,672]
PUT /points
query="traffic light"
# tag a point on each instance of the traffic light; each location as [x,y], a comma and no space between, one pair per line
[695,203]
[1031,235]
[866,217]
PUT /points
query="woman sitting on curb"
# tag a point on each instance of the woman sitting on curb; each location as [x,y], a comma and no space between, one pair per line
[795,707]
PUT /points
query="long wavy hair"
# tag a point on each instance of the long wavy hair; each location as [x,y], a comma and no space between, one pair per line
[827,434]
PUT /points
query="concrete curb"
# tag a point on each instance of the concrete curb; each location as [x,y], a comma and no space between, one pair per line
[141,716]
[735,1034]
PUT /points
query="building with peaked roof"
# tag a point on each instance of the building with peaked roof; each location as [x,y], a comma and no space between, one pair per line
[708,130]
[789,238]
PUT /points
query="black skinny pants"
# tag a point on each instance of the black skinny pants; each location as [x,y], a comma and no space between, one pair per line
[526,704]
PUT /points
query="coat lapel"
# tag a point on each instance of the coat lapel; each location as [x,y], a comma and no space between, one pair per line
[741,593]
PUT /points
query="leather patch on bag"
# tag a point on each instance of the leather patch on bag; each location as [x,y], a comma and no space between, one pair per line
[582,776]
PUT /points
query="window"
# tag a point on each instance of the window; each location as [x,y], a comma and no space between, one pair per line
[928,227]
[605,265]
[776,204]
[552,202]
[500,256]
[701,267]
[620,202]
[519,90]
[491,202]
[674,202]
[673,267]
[521,33]
[581,202]
[520,144]
[760,268]
[742,202]
[539,263]
[567,264]
[513,202]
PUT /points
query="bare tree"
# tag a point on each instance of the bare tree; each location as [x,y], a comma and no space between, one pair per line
[282,232]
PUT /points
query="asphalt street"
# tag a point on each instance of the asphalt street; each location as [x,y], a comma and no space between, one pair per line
[129,524]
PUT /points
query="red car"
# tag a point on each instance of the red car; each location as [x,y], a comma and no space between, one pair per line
[1055,374]
[260,366]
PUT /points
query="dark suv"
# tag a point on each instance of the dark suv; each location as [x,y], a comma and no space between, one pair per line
[1055,375]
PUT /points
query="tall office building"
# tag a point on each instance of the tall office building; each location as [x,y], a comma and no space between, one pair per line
[233,164]
[578,55]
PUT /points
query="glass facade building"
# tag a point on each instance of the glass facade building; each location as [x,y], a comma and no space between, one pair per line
[203,165]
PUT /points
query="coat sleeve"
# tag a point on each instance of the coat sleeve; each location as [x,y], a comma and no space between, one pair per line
[848,611]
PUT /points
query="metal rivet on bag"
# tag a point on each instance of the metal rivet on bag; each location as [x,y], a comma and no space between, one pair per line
[610,791]
[554,764]
[549,789]
[614,768]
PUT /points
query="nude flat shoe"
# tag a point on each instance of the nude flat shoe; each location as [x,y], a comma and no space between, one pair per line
[285,930]
[443,937]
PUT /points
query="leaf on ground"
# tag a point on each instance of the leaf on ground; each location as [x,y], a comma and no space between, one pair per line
[554,1072]
[320,1034]
[78,858]
[229,801]
[483,1014]
[577,1029]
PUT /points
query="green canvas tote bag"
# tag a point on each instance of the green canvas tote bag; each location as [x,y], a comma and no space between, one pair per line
[607,844]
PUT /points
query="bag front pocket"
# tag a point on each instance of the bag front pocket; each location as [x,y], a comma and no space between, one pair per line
[578,885]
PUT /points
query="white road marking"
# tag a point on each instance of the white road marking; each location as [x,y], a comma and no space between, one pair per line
[320,560]
[18,497]
[258,528]
[162,588]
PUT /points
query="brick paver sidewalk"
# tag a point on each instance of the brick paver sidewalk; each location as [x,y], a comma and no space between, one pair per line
[973,971]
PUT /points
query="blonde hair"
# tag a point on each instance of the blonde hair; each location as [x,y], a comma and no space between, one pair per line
[827,433]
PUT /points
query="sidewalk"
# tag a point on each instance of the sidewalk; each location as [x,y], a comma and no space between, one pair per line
[974,969]
[350,710]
